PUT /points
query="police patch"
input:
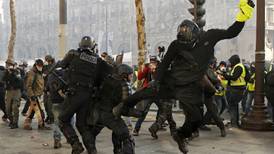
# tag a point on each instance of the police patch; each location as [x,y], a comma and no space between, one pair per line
[88,58]
[206,43]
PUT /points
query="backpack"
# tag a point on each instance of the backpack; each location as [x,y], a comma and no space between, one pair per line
[2,73]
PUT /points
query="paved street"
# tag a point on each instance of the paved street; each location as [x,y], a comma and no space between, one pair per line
[20,141]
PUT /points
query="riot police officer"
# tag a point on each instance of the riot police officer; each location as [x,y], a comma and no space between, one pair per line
[83,77]
[106,109]
[189,56]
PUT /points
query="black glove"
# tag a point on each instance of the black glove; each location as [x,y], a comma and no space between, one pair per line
[117,110]
[251,3]
[155,85]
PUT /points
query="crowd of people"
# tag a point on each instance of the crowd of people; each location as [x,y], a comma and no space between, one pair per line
[101,92]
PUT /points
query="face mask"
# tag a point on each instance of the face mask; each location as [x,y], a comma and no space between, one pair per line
[222,69]
[39,68]
[46,63]
[11,67]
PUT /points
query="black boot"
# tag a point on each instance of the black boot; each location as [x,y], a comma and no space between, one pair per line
[57,144]
[223,132]
[135,132]
[91,149]
[117,151]
[181,143]
[77,148]
[14,126]
[172,131]
[5,118]
[153,132]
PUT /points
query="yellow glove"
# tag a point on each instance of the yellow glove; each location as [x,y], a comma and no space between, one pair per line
[246,11]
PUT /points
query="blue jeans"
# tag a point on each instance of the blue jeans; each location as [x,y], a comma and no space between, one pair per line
[147,103]
[236,95]
[56,109]
[249,100]
[244,100]
[221,103]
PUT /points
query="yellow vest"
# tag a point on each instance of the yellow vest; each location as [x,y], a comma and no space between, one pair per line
[241,80]
[251,86]
[224,85]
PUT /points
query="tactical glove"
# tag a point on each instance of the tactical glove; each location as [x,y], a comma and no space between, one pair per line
[246,10]
[117,110]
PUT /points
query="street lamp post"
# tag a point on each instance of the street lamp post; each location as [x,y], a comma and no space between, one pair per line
[106,12]
[62,27]
[257,119]
[106,20]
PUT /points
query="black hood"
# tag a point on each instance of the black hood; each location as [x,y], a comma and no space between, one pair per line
[234,60]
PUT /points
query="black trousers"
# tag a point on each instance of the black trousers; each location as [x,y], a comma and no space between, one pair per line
[25,97]
[78,104]
[2,101]
[48,106]
[164,114]
[190,97]
[121,139]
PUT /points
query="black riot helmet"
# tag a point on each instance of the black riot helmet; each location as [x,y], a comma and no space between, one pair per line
[87,43]
[124,71]
[188,33]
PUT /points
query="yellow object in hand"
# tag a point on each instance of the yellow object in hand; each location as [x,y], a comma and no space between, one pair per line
[246,11]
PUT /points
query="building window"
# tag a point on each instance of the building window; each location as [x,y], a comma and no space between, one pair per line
[270,16]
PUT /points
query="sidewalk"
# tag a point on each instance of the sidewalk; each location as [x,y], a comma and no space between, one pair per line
[21,141]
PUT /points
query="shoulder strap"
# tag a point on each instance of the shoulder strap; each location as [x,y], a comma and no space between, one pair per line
[188,58]
[34,79]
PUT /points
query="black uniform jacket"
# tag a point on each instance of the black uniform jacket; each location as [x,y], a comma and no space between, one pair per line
[186,70]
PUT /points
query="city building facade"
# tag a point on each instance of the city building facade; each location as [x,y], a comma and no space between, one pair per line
[113,25]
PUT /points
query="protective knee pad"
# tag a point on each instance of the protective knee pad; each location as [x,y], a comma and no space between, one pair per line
[68,133]
[155,127]
[128,146]
[186,130]
[88,139]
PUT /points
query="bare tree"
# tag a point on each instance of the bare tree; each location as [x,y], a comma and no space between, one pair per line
[140,21]
[13,31]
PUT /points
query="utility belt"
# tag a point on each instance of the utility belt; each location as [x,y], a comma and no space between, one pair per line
[72,89]
[81,85]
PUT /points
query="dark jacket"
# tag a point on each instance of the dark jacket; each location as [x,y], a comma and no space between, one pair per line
[269,87]
[13,80]
[54,85]
[189,65]
[2,73]
[84,68]
[112,92]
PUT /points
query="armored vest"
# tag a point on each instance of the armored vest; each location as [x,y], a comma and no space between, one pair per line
[83,68]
